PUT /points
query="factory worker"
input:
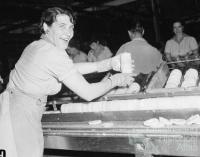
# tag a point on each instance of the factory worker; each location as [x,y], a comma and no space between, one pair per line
[146,58]
[42,68]
[181,46]
[99,51]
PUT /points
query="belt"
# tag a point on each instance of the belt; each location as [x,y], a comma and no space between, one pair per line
[39,100]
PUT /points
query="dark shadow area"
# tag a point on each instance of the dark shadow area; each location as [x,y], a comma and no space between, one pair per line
[84,153]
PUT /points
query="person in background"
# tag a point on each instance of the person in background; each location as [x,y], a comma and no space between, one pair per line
[43,66]
[99,51]
[146,57]
[181,46]
[76,54]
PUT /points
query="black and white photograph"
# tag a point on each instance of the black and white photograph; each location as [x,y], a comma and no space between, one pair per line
[99,78]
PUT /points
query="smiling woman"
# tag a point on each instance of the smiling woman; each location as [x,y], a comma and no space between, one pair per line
[42,68]
[61,30]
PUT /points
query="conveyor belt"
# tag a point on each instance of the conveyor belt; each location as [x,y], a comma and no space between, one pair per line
[184,61]
[118,129]
[121,119]
[123,137]
[156,93]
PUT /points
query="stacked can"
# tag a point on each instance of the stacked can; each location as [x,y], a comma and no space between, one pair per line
[126,63]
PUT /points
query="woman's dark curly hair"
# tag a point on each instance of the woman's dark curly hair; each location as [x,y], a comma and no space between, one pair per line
[49,16]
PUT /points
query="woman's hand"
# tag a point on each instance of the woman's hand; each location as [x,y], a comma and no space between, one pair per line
[121,80]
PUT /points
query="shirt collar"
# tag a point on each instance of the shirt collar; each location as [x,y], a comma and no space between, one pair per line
[45,37]
[175,39]
[139,39]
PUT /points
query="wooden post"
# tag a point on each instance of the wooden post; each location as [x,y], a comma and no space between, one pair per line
[155,22]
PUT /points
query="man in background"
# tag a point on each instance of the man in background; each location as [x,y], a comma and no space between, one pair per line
[146,57]
[99,51]
[77,55]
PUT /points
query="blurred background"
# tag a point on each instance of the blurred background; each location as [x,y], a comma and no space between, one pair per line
[107,19]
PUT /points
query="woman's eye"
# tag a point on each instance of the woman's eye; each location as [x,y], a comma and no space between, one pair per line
[62,27]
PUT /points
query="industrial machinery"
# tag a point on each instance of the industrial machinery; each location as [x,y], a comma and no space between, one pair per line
[116,122]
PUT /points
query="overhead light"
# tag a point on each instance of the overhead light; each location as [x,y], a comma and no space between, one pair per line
[118,2]
[2,27]
[75,3]
[19,22]
[96,8]
[16,31]
[109,4]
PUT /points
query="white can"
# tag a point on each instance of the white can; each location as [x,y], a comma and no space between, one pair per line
[126,63]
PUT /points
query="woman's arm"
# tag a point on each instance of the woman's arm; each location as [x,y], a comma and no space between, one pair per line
[87,91]
[194,52]
[101,66]
[86,67]
[81,87]
[168,57]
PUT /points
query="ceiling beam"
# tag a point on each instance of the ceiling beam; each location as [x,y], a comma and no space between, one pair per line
[108,4]
[117,2]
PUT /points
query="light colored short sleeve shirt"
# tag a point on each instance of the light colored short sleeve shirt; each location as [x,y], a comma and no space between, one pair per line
[41,69]
[175,49]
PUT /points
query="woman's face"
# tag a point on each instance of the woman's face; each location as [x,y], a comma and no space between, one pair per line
[177,27]
[61,31]
[93,45]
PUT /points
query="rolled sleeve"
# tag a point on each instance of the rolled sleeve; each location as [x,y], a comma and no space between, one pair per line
[193,43]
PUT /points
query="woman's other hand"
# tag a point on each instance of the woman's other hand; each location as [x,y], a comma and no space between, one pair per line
[121,80]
